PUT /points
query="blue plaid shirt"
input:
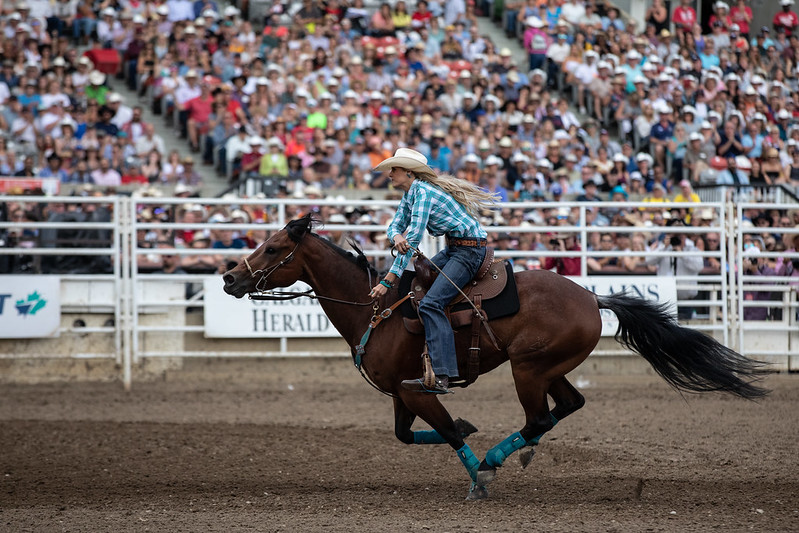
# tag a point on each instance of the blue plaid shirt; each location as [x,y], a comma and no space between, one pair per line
[427,206]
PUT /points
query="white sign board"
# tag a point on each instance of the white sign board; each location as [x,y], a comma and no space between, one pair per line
[227,317]
[659,289]
[30,306]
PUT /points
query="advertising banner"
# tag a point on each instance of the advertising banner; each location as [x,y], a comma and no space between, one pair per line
[30,306]
[659,289]
[10,185]
[227,317]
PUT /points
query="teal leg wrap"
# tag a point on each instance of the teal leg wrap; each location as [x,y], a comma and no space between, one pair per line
[535,440]
[428,437]
[467,457]
[497,455]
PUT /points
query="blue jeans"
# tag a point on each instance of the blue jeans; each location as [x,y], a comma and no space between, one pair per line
[537,61]
[510,21]
[460,264]
[83,27]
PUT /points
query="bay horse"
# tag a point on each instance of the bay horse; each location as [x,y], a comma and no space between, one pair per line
[556,328]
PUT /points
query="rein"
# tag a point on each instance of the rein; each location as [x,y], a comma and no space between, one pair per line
[263,294]
[276,296]
[478,315]
[360,350]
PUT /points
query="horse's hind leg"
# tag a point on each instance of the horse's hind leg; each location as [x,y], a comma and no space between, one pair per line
[567,400]
[531,388]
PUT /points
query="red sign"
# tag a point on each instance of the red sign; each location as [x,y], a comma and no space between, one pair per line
[50,186]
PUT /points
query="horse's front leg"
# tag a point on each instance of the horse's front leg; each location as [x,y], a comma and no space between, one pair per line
[404,418]
[445,430]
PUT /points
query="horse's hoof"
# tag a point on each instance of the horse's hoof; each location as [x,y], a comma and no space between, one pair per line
[477,492]
[486,474]
[465,428]
[526,455]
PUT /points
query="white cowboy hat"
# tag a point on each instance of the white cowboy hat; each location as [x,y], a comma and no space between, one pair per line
[275,141]
[96,77]
[404,158]
[535,22]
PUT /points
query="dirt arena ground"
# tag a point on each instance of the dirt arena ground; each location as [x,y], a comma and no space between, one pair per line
[308,446]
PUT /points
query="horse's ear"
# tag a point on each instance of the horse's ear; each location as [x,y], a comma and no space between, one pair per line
[297,229]
[360,259]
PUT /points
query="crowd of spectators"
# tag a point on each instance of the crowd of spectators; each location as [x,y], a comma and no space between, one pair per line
[308,100]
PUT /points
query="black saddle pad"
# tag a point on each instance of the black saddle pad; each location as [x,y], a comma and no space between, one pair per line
[505,304]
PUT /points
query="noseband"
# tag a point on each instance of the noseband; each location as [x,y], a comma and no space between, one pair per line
[268,272]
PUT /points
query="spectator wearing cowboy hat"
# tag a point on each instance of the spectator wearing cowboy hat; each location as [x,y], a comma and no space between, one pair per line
[786,19]
[274,162]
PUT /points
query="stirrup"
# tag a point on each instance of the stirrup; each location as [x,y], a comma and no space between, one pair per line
[418,385]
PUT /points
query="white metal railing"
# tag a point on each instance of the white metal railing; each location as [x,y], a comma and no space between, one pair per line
[725,303]
[111,250]
[777,311]
[715,285]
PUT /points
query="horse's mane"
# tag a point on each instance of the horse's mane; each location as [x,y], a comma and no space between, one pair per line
[298,228]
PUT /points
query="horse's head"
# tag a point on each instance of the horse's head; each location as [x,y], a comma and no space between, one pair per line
[273,264]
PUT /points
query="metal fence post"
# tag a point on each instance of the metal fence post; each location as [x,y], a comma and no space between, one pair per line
[127,208]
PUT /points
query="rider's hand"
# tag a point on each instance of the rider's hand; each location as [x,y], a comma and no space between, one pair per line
[378,291]
[401,244]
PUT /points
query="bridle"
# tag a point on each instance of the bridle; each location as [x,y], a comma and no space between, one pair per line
[268,272]
[261,293]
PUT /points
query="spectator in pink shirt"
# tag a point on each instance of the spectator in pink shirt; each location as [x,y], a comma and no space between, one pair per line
[105,175]
[536,42]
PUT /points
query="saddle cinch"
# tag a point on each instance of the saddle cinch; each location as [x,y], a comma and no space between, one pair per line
[492,291]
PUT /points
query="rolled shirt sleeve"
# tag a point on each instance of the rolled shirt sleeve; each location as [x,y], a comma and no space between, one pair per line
[426,207]
[413,215]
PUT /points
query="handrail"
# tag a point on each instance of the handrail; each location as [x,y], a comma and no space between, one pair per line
[787,189]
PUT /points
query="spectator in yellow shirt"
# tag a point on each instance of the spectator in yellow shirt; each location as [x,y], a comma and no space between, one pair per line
[400,17]
[657,196]
[686,194]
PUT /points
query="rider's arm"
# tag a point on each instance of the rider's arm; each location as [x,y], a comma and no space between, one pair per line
[401,219]
[419,212]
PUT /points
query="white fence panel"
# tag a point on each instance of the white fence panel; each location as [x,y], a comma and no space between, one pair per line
[168,315]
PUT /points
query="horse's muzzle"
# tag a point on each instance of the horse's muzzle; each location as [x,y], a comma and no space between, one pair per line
[232,286]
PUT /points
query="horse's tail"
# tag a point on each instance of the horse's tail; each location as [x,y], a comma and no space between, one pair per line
[687,359]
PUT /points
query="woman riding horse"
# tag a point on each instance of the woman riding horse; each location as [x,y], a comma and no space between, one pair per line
[557,326]
[444,205]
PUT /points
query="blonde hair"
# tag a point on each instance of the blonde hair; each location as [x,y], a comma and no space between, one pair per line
[469,195]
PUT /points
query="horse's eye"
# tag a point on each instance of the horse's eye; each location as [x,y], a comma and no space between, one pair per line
[270,250]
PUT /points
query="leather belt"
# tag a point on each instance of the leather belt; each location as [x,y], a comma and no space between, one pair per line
[472,242]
